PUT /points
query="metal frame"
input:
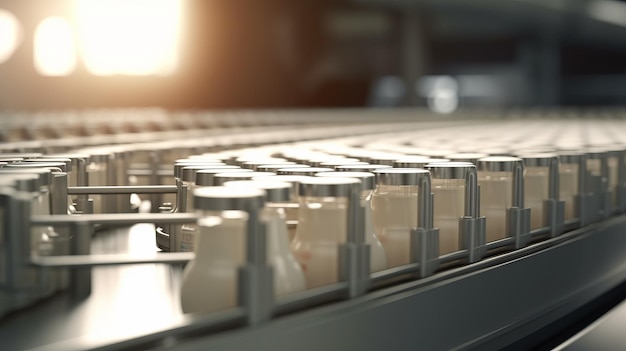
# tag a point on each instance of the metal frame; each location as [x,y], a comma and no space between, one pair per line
[507,297]
[487,303]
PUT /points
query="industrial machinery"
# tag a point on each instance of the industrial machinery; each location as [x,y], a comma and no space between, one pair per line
[340,175]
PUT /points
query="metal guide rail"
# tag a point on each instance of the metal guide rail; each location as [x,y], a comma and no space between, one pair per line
[89,194]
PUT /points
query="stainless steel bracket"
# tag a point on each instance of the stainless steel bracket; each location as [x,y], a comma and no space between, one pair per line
[517,216]
[595,198]
[472,236]
[518,222]
[354,255]
[354,268]
[425,250]
[554,213]
[472,227]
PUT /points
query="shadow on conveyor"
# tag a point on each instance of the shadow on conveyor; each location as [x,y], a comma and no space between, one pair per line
[565,328]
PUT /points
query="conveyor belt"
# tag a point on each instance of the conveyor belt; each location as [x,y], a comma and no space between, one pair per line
[505,299]
[493,303]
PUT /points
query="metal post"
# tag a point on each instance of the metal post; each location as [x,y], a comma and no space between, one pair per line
[58,193]
[606,192]
[354,253]
[21,281]
[583,198]
[621,182]
[256,279]
[155,161]
[425,238]
[472,227]
[80,278]
[554,208]
[518,217]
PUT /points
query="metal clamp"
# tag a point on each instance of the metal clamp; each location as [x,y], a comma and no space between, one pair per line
[597,193]
[167,236]
[605,190]
[621,182]
[354,255]
[256,277]
[518,217]
[425,238]
[172,234]
[81,230]
[21,281]
[472,226]
[554,208]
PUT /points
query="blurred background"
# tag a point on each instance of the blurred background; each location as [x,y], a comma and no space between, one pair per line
[443,54]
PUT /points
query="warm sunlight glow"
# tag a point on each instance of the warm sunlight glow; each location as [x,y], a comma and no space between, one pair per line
[130,37]
[54,51]
[10,34]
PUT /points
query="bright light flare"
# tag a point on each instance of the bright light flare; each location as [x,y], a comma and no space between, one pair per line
[129,37]
[54,48]
[10,34]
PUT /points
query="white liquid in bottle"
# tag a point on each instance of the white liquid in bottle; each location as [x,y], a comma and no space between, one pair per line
[536,191]
[394,215]
[291,213]
[210,280]
[594,166]
[185,241]
[449,207]
[496,196]
[568,188]
[288,276]
[378,258]
[322,226]
[291,207]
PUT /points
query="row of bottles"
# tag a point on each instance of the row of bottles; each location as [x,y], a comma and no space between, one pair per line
[306,205]
[389,170]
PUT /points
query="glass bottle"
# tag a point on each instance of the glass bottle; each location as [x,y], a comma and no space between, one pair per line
[97,171]
[394,211]
[34,183]
[322,227]
[291,207]
[210,280]
[378,258]
[598,175]
[185,241]
[56,169]
[537,186]
[78,176]
[448,187]
[495,178]
[569,179]
[288,275]
[615,157]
